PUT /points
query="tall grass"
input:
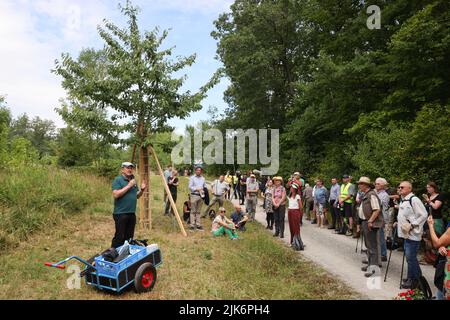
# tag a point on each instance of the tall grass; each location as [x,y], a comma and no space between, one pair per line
[32,198]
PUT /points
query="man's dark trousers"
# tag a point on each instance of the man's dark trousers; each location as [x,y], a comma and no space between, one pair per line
[125,224]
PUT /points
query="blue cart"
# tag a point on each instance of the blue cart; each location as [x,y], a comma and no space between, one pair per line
[139,269]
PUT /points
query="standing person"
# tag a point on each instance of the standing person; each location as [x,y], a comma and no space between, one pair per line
[279,206]
[380,188]
[333,200]
[229,181]
[442,274]
[294,211]
[167,174]
[433,204]
[173,186]
[346,196]
[320,197]
[243,188]
[268,204]
[219,189]
[235,186]
[125,193]
[410,220]
[222,225]
[309,200]
[197,187]
[252,196]
[369,212]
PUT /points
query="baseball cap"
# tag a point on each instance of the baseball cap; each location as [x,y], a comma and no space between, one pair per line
[127,164]
[345,176]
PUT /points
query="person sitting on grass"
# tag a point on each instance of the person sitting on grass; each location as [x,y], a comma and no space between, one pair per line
[187,209]
[222,225]
[239,218]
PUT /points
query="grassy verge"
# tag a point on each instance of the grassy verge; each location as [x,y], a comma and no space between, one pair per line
[196,267]
[32,198]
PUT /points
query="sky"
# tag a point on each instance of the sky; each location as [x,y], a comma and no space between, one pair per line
[34,33]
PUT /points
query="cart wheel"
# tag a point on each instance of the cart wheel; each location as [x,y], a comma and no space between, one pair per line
[145,278]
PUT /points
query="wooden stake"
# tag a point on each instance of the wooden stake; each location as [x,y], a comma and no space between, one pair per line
[169,195]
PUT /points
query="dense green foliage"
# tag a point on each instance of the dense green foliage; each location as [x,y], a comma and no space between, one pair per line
[346,98]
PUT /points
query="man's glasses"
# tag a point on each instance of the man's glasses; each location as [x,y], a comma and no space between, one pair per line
[401,187]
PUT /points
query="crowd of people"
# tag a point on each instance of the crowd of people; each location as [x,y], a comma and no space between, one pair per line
[382,217]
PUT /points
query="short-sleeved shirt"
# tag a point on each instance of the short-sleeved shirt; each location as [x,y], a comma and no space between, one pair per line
[374,203]
[321,195]
[293,202]
[436,213]
[252,186]
[173,188]
[216,222]
[219,188]
[237,217]
[127,203]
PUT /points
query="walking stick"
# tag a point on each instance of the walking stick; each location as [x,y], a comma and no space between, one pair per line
[403,264]
[390,254]
[357,241]
[362,241]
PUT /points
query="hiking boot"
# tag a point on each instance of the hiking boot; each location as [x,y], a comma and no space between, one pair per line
[407,284]
[369,274]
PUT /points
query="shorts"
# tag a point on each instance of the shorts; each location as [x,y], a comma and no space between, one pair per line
[348,210]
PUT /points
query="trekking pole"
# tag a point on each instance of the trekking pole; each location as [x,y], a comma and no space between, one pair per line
[362,241]
[403,264]
[357,242]
[390,254]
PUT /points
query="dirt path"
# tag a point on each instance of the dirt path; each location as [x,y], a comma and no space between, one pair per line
[336,254]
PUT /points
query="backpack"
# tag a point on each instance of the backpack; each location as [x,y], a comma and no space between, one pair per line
[425,288]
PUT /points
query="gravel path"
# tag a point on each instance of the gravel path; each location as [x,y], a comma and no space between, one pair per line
[336,254]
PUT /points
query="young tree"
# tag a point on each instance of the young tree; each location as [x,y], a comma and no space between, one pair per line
[135,78]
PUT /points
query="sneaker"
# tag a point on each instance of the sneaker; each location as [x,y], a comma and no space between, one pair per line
[356,235]
[349,233]
[331,228]
[192,228]
[365,262]
[407,284]
[314,222]
[276,234]
[364,268]
[384,259]
[235,239]
[200,228]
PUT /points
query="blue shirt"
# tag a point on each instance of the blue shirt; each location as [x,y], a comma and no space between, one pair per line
[320,195]
[196,182]
[334,192]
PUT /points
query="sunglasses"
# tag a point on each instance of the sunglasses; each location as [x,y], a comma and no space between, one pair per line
[401,187]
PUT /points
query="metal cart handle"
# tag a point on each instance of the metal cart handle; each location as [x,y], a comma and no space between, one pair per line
[60,264]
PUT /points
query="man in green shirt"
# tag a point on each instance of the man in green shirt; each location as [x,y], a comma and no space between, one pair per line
[125,192]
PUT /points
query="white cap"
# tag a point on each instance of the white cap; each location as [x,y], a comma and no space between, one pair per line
[127,164]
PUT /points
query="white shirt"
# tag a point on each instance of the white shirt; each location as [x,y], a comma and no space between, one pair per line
[293,202]
[415,214]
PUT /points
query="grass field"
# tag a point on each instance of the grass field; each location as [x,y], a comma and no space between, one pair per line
[196,267]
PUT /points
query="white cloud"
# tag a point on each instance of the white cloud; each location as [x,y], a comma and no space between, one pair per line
[34,34]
